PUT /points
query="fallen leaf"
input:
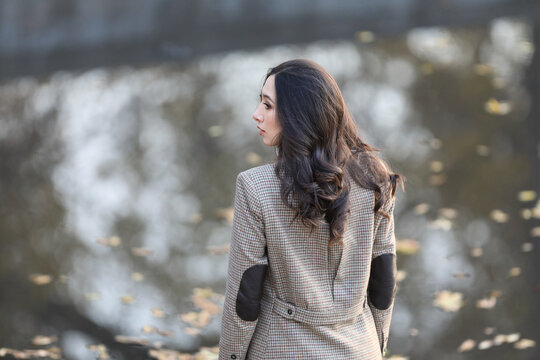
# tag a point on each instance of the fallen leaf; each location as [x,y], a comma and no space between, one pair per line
[435,143]
[485,344]
[476,252]
[515,271]
[512,337]
[448,213]
[437,179]
[524,344]
[226,214]
[527,247]
[101,349]
[440,223]
[448,300]
[130,340]
[467,345]
[219,249]
[191,331]
[137,276]
[365,36]
[401,275]
[112,241]
[141,251]
[196,218]
[128,299]
[499,216]
[436,166]
[526,213]
[92,296]
[41,340]
[527,195]
[486,303]
[215,130]
[482,150]
[40,279]
[493,106]
[421,209]
[483,69]
[159,313]
[407,246]
[461,275]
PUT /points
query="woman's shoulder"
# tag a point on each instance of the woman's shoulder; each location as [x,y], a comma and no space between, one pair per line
[259,174]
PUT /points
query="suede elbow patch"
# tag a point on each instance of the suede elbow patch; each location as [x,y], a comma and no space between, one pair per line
[382,281]
[248,300]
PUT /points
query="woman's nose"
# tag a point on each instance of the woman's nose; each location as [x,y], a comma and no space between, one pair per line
[257,117]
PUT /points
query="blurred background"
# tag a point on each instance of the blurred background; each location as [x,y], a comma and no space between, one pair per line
[123,126]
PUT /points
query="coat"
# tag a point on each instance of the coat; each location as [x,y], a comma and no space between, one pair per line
[290,296]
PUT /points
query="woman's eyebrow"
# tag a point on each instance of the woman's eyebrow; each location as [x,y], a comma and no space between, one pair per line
[268,97]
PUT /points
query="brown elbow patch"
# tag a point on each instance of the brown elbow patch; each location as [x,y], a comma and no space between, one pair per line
[248,299]
[382,281]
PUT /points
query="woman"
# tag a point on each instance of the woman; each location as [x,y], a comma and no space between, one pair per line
[312,260]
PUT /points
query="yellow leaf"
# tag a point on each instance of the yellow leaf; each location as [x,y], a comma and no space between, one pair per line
[219,249]
[92,296]
[159,313]
[130,340]
[524,344]
[43,340]
[365,36]
[436,166]
[215,130]
[499,216]
[486,303]
[485,344]
[40,279]
[110,241]
[226,214]
[527,195]
[421,209]
[141,251]
[496,107]
[467,345]
[515,271]
[448,300]
[128,299]
[407,246]
[476,252]
[401,275]
[101,349]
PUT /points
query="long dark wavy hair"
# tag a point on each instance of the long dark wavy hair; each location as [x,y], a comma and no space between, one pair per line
[319,149]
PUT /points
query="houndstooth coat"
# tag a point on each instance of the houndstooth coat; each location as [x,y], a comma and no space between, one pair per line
[289,296]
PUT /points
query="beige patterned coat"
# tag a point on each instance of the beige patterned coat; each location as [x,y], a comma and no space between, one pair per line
[288,296]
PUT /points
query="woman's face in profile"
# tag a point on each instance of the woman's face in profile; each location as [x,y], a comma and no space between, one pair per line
[265,113]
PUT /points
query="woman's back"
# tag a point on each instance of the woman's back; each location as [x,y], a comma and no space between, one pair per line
[314,297]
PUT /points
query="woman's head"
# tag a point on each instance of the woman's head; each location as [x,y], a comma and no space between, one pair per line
[305,117]
[307,111]
[266,115]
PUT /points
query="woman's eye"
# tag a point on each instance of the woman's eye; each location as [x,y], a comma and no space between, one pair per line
[266,106]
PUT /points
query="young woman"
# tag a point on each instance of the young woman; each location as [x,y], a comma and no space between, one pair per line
[312,261]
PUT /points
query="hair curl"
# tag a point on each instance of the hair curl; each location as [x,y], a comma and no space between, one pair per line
[319,149]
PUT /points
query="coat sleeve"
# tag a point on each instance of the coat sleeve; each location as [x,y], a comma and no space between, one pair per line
[382,279]
[247,267]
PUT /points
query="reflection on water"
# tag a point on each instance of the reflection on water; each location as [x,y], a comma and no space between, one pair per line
[117,187]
